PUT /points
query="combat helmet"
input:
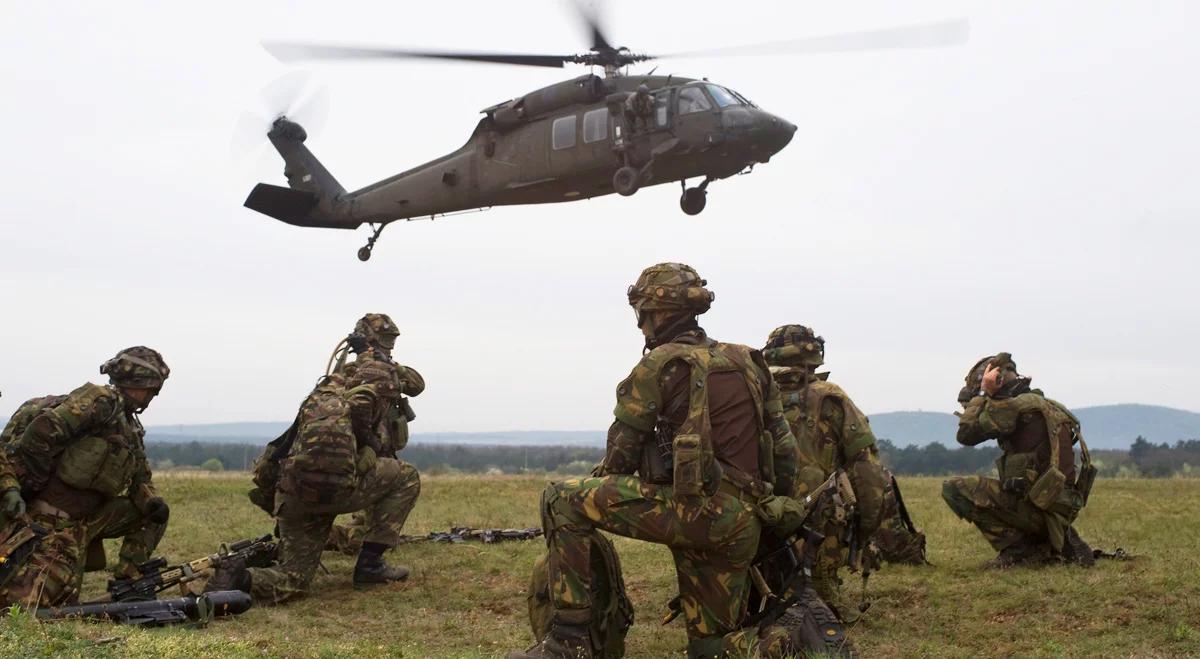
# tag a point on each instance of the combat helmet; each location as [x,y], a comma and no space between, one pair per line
[670,287]
[794,345]
[138,367]
[973,382]
[377,329]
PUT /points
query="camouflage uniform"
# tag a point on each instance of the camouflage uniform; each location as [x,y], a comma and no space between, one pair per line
[703,508]
[378,329]
[1028,426]
[832,434]
[898,541]
[386,490]
[82,465]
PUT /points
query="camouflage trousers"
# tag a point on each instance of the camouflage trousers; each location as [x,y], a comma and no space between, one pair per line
[712,539]
[896,543]
[1008,519]
[53,574]
[386,495]
[348,538]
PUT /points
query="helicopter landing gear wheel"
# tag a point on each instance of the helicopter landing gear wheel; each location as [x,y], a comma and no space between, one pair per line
[693,200]
[627,180]
[364,252]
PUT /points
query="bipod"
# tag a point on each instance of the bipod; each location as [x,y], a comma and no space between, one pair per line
[364,252]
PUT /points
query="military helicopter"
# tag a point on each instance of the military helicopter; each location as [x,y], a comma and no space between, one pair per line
[580,138]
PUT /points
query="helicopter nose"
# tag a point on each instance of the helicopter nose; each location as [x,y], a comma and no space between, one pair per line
[778,133]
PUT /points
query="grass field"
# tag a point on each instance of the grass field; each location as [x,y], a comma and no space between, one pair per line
[468,600]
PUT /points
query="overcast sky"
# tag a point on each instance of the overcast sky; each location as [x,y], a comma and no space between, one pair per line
[1032,191]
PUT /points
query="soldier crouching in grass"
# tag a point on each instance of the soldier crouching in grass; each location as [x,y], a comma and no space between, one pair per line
[1026,514]
[329,466]
[81,465]
[699,438]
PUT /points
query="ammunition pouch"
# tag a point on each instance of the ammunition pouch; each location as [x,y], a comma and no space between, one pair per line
[1045,490]
[406,409]
[98,464]
[1018,486]
[1085,480]
[688,471]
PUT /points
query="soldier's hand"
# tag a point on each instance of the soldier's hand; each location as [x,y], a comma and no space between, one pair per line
[157,510]
[11,504]
[366,459]
[993,379]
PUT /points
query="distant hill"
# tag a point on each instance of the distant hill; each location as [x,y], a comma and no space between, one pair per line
[1104,426]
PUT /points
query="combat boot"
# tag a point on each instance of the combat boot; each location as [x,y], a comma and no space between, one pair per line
[1076,551]
[372,569]
[229,574]
[570,637]
[1019,555]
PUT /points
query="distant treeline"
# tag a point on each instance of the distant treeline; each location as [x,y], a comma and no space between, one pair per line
[1144,459]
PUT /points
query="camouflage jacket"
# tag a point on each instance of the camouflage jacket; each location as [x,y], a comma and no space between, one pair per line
[387,423]
[655,397]
[87,441]
[1023,425]
[831,432]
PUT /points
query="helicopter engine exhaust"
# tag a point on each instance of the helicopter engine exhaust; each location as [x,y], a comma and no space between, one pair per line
[313,198]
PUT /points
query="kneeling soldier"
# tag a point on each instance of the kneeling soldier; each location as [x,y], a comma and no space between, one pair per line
[331,466]
[81,465]
[700,424]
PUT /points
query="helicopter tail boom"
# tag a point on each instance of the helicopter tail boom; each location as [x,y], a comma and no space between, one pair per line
[314,196]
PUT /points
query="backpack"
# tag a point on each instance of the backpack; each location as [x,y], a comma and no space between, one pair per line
[24,415]
[265,473]
[612,612]
[806,628]
[321,467]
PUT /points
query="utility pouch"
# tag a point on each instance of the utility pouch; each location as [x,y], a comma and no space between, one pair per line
[406,409]
[1085,480]
[1047,487]
[689,465]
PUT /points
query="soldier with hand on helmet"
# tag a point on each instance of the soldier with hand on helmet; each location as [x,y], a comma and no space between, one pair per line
[77,471]
[1027,514]
[378,334]
[699,439]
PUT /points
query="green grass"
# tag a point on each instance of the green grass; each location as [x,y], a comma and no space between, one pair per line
[468,600]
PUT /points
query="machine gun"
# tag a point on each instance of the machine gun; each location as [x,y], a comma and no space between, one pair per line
[157,576]
[459,534]
[194,609]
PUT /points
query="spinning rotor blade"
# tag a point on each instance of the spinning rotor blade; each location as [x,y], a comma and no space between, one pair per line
[591,18]
[922,35]
[295,95]
[292,52]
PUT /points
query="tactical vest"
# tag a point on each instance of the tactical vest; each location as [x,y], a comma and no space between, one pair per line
[321,466]
[818,447]
[695,470]
[1022,472]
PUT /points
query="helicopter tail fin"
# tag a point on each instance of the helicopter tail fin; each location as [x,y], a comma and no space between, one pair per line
[313,196]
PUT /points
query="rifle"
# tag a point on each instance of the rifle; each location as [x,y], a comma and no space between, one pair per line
[156,576]
[459,534]
[196,609]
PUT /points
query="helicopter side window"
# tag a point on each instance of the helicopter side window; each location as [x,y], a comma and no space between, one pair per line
[595,125]
[562,133]
[722,96]
[692,99]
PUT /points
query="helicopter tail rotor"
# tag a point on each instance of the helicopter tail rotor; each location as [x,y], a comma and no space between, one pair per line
[312,196]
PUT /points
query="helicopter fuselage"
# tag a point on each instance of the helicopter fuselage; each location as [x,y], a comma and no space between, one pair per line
[564,142]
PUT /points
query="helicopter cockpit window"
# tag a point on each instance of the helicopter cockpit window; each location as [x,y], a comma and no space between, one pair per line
[562,133]
[722,96]
[595,125]
[692,99]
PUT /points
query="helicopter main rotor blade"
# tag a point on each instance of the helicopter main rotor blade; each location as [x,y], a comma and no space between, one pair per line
[591,18]
[921,35]
[293,52]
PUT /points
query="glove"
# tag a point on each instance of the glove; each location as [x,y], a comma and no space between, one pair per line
[366,459]
[157,510]
[11,505]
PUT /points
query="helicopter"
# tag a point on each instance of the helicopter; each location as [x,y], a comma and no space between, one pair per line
[577,139]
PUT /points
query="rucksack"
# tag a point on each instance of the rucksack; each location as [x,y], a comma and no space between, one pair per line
[806,628]
[24,415]
[321,466]
[612,612]
[265,473]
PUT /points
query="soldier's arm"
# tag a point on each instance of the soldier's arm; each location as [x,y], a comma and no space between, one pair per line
[639,401]
[860,457]
[8,476]
[141,488]
[784,449]
[411,382]
[624,448]
[987,418]
[53,429]
[362,400]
